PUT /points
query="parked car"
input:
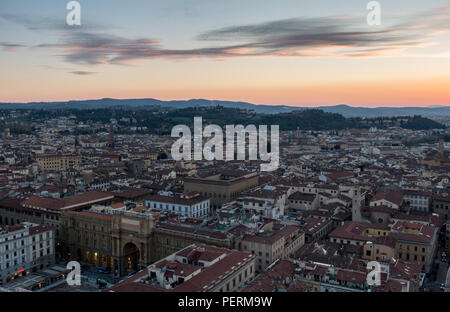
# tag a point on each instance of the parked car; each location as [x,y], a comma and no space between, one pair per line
[442,287]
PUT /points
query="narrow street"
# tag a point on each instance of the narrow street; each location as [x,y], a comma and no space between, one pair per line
[434,283]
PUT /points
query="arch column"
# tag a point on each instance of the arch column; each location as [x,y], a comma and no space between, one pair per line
[130,257]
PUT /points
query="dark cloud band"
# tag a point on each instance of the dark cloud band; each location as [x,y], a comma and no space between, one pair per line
[301,37]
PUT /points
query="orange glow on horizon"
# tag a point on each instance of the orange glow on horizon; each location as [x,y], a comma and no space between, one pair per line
[399,93]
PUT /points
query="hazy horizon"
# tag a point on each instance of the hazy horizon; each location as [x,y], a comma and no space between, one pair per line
[291,52]
[221,100]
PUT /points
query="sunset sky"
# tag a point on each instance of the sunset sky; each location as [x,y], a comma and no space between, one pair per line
[283,52]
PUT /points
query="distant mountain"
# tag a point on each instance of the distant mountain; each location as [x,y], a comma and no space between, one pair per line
[85,104]
[350,111]
[345,110]
[148,103]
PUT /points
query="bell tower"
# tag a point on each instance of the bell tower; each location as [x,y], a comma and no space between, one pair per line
[111,135]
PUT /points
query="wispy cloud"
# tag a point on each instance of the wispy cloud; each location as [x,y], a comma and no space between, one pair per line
[31,23]
[36,23]
[11,47]
[335,36]
[83,73]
